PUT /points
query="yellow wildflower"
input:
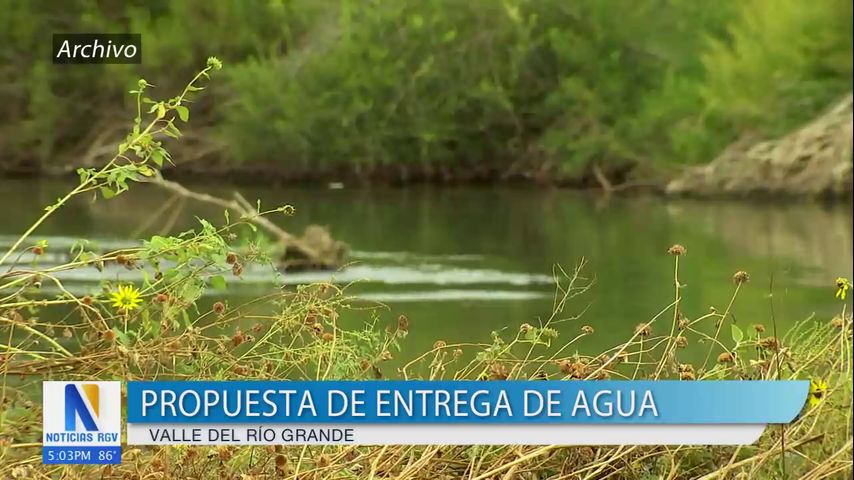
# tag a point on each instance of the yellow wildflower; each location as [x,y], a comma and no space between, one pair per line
[818,389]
[842,287]
[126,298]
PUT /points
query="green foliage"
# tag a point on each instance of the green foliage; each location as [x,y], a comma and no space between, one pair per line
[443,87]
[783,62]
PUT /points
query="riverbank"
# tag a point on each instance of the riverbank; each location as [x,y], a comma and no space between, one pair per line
[814,160]
[544,92]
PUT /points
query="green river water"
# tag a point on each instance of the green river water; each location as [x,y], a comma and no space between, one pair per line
[461,262]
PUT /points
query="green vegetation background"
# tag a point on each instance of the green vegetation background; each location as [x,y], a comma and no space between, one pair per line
[482,88]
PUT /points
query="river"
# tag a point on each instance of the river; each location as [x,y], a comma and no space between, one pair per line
[462,262]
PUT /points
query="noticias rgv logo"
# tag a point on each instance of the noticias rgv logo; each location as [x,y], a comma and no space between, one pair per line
[76,408]
[96,48]
[81,422]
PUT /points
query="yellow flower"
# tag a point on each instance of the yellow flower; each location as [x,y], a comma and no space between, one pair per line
[818,389]
[842,287]
[126,298]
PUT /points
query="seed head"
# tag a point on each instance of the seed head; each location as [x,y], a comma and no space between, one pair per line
[526,327]
[237,269]
[770,343]
[318,328]
[681,341]
[726,357]
[838,322]
[439,344]
[403,323]
[87,300]
[238,338]
[677,250]
[643,329]
[587,330]
[214,63]
[231,258]
[219,308]
[687,375]
[288,210]
[759,328]
[37,250]
[573,369]
[328,337]
[498,371]
[741,277]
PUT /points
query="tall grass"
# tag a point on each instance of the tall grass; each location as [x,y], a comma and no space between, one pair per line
[301,339]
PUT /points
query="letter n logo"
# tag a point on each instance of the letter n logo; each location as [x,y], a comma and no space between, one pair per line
[76,407]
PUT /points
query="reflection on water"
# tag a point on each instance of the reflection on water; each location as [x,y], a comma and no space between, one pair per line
[819,238]
[462,262]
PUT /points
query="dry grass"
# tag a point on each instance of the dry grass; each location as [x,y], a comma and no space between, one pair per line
[301,339]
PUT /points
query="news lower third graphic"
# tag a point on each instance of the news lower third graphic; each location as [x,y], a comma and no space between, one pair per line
[82,422]
[458,412]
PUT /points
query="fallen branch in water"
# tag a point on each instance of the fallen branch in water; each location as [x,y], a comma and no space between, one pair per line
[607,188]
[329,254]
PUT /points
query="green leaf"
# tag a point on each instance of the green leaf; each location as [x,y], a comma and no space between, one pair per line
[183,113]
[107,193]
[121,337]
[84,175]
[737,334]
[218,282]
[157,158]
[172,131]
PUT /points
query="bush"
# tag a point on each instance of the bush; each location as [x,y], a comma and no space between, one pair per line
[443,88]
[783,62]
